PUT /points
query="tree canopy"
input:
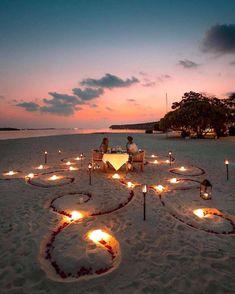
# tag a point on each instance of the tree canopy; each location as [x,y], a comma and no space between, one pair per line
[197,113]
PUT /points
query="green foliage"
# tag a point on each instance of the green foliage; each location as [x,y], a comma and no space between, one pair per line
[197,113]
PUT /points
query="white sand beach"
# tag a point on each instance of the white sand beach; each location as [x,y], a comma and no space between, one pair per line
[174,251]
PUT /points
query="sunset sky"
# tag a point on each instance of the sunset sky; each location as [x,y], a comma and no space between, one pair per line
[93,63]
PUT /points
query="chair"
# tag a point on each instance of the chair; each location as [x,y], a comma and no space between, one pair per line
[96,157]
[138,159]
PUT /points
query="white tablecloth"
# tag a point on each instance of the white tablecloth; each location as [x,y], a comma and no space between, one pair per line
[116,159]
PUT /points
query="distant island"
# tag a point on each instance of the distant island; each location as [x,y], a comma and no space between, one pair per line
[148,126]
[16,129]
[9,129]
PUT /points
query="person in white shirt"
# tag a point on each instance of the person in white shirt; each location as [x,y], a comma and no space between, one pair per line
[131,147]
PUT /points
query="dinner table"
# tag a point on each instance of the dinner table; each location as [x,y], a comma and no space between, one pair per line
[117,160]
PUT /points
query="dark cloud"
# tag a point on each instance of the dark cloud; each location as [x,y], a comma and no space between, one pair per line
[149,84]
[61,104]
[131,100]
[219,39]
[29,106]
[2,97]
[88,93]
[186,63]
[164,77]
[232,63]
[93,105]
[109,108]
[109,81]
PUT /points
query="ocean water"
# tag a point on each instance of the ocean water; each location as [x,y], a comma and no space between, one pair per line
[4,135]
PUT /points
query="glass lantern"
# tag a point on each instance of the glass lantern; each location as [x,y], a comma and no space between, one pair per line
[205,190]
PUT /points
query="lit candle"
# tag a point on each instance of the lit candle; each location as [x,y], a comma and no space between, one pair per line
[98,235]
[75,215]
[155,161]
[71,168]
[159,188]
[30,176]
[199,212]
[152,155]
[116,176]
[130,185]
[40,166]
[68,163]
[173,181]
[167,161]
[182,168]
[54,178]
[10,173]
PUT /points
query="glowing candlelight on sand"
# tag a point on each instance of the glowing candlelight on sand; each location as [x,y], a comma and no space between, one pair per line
[10,173]
[155,161]
[40,166]
[167,161]
[77,158]
[173,181]
[98,235]
[199,212]
[159,188]
[75,215]
[153,155]
[68,163]
[116,176]
[71,168]
[182,168]
[130,185]
[30,176]
[226,162]
[59,151]
[54,178]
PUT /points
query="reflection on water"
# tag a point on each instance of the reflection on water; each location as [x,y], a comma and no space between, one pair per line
[42,133]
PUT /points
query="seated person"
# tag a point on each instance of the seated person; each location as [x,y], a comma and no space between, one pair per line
[104,145]
[131,147]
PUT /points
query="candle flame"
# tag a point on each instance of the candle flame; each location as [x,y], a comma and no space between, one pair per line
[116,176]
[54,178]
[10,173]
[130,185]
[159,188]
[40,166]
[153,155]
[30,175]
[226,162]
[199,212]
[75,215]
[155,161]
[68,163]
[98,235]
[173,181]
[182,168]
[167,161]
